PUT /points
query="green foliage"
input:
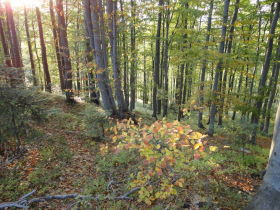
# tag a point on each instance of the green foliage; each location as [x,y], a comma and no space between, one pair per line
[19,108]
[95,120]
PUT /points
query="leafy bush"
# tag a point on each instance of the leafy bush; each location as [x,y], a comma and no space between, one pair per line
[18,109]
[166,151]
[95,120]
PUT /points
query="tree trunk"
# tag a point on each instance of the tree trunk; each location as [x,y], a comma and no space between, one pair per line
[15,47]
[112,13]
[35,83]
[93,96]
[165,62]
[64,49]
[273,86]
[8,60]
[261,88]
[213,108]
[101,56]
[204,66]
[269,192]
[44,52]
[56,44]
[133,71]
[157,61]
[229,49]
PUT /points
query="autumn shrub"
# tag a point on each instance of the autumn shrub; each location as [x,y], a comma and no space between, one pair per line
[95,121]
[19,108]
[167,156]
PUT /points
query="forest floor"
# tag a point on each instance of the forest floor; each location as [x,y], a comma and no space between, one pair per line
[60,159]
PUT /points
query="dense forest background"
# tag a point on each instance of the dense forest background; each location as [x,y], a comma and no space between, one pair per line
[135,74]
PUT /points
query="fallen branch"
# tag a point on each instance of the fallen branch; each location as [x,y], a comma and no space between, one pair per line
[24,202]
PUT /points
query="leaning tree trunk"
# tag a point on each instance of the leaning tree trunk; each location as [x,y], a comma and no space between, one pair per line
[213,108]
[204,66]
[35,83]
[63,44]
[261,88]
[112,13]
[48,86]
[269,192]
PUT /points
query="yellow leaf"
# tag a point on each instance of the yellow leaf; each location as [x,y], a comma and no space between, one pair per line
[158,146]
[213,148]
[196,135]
[197,145]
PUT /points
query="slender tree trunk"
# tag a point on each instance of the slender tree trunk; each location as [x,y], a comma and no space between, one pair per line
[261,88]
[157,61]
[219,67]
[180,83]
[48,86]
[133,70]
[56,44]
[112,13]
[145,88]
[64,49]
[273,86]
[125,58]
[229,49]
[204,66]
[35,83]
[165,62]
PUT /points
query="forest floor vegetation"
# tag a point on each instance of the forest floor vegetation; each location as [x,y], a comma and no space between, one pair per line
[173,166]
